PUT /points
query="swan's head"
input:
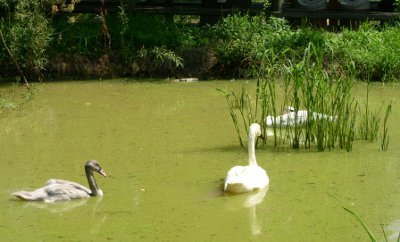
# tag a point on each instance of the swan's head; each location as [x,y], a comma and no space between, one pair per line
[95,166]
[291,109]
[255,130]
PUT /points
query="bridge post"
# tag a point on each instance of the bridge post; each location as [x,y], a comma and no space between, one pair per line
[209,19]
[169,17]
[131,5]
[277,5]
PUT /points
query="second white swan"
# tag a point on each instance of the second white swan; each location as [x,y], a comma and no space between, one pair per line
[240,179]
[295,117]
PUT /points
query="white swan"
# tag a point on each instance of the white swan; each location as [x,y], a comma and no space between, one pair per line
[240,179]
[283,120]
[59,190]
[292,117]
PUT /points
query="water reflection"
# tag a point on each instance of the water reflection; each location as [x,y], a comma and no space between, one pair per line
[393,230]
[248,201]
[56,207]
[59,207]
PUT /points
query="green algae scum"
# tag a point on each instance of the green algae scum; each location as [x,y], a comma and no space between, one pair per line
[166,148]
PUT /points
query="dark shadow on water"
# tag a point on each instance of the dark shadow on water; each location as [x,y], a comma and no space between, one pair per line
[264,148]
[228,148]
[218,191]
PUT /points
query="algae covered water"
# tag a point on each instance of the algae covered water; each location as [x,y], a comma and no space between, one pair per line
[166,148]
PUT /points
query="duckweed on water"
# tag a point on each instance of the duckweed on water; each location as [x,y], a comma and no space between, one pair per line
[167,147]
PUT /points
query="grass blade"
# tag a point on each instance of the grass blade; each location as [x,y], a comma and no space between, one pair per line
[383,231]
[370,234]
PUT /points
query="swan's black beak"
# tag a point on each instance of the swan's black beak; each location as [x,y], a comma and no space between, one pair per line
[102,172]
[259,137]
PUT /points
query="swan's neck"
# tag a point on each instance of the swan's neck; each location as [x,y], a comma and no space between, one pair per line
[92,182]
[252,150]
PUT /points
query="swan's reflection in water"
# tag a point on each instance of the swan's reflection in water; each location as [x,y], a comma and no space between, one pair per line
[56,207]
[248,201]
[68,207]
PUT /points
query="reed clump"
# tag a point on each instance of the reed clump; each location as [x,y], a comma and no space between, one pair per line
[323,114]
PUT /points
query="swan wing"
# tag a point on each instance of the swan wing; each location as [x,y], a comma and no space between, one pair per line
[55,190]
[235,171]
[245,179]
[302,117]
[66,191]
[319,116]
[236,180]
[65,182]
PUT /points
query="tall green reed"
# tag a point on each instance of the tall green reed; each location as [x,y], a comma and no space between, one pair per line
[231,107]
[369,125]
[242,107]
[385,132]
[324,97]
[371,119]
[308,88]
[265,88]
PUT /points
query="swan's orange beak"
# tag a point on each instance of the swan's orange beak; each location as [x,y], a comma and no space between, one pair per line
[102,172]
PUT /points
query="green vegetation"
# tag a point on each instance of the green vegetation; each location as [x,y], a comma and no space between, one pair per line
[63,43]
[315,68]
[244,40]
[306,85]
[385,131]
[16,99]
[374,51]
[28,36]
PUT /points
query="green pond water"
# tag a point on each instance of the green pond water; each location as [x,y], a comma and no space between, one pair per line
[166,148]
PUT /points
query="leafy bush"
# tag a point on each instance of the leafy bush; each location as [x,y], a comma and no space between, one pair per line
[375,52]
[242,41]
[239,39]
[78,35]
[28,34]
[236,45]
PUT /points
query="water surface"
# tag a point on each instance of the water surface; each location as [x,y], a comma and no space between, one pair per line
[167,147]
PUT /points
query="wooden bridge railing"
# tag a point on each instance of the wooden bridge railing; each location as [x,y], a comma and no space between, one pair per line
[211,10]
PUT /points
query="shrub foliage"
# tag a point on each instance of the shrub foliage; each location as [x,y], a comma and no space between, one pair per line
[151,45]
